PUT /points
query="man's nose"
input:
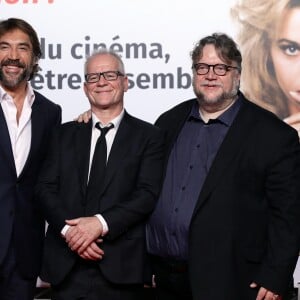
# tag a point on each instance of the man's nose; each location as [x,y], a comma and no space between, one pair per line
[13,53]
[211,73]
[102,80]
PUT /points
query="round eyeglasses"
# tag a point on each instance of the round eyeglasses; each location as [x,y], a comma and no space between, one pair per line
[108,75]
[219,69]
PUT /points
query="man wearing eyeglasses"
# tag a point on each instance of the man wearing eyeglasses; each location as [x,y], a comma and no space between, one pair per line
[226,225]
[99,183]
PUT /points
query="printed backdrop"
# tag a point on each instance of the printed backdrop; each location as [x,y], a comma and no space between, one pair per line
[154,38]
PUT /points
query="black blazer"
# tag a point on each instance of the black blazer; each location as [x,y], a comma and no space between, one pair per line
[129,193]
[245,226]
[19,218]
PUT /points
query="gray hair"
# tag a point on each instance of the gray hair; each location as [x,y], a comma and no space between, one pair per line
[105,52]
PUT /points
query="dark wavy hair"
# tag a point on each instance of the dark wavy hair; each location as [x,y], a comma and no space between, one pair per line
[225,46]
[13,24]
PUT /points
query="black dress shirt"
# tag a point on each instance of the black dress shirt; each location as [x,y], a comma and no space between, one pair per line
[189,162]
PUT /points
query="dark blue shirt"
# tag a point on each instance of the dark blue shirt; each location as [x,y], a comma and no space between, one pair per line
[189,162]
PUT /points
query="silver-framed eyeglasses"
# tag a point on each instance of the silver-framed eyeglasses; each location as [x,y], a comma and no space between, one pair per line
[219,69]
[108,75]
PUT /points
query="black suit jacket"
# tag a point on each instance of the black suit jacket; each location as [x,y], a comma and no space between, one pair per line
[128,195]
[245,226]
[20,222]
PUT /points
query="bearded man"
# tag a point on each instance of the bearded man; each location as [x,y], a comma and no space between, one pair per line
[226,225]
[26,120]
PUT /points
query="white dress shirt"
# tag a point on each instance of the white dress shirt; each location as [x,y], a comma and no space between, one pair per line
[110,136]
[19,133]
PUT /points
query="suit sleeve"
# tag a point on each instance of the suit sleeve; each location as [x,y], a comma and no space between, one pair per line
[58,115]
[134,209]
[283,196]
[47,188]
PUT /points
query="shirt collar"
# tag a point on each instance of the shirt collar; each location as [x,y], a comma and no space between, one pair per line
[225,118]
[116,121]
[228,115]
[30,96]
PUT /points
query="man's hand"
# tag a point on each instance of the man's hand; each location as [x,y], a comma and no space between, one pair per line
[264,294]
[84,117]
[92,252]
[82,232]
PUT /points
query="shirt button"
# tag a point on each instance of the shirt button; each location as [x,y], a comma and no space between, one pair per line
[176,209]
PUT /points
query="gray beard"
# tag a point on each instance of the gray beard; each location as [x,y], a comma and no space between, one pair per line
[11,83]
[218,101]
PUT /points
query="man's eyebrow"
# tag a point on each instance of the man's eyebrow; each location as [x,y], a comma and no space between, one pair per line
[19,44]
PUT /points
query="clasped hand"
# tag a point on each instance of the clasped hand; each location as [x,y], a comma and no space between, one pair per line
[264,294]
[83,235]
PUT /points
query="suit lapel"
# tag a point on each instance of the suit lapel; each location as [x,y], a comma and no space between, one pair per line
[174,126]
[227,153]
[82,148]
[37,129]
[5,144]
[119,148]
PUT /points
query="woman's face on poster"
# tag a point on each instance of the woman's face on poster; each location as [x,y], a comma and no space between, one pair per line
[285,53]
